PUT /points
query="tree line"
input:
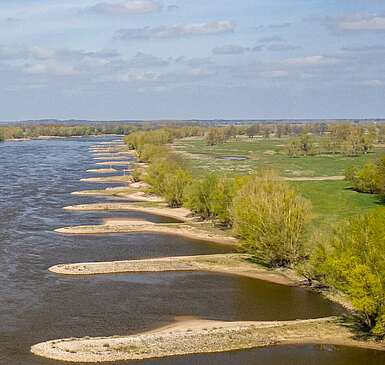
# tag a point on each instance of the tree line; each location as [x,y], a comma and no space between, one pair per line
[59,130]
[271,219]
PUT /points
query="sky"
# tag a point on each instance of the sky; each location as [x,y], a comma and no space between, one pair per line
[192,59]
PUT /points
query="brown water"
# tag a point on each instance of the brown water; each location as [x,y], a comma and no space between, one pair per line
[36,178]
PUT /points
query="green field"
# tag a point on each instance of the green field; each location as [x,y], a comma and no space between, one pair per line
[331,200]
[262,153]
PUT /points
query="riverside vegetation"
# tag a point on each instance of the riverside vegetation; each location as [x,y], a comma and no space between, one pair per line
[271,217]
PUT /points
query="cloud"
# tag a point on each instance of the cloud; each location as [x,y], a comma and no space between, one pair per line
[311,61]
[124,8]
[146,60]
[172,7]
[274,74]
[282,47]
[363,23]
[230,49]
[277,26]
[366,48]
[271,39]
[176,31]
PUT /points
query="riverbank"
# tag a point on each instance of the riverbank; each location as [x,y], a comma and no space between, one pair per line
[182,214]
[234,264]
[199,336]
[148,227]
[102,171]
[109,179]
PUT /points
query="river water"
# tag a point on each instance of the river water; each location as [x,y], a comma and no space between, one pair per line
[36,179]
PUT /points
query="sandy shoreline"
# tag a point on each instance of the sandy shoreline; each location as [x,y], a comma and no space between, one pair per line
[161,228]
[114,163]
[177,213]
[108,179]
[233,264]
[102,171]
[200,336]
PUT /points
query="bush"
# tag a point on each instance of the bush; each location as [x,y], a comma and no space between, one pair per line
[270,216]
[352,260]
[168,177]
[211,197]
[370,179]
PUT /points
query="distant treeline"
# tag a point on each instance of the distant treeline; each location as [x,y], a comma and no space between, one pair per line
[272,219]
[307,139]
[57,130]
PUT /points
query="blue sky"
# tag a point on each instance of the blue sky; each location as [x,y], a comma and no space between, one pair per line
[187,59]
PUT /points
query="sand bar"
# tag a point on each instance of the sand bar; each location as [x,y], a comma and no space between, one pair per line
[103,171]
[177,213]
[200,336]
[108,179]
[114,163]
[161,228]
[235,264]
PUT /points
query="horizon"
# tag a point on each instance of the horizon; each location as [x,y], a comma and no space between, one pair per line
[192,60]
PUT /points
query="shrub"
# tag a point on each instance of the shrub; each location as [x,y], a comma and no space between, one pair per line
[168,177]
[270,216]
[352,260]
[211,197]
[369,179]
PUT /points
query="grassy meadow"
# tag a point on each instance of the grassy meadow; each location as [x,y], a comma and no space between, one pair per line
[331,200]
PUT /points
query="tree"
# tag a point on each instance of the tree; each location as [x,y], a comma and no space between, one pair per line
[175,183]
[369,179]
[252,130]
[352,260]
[270,216]
[215,136]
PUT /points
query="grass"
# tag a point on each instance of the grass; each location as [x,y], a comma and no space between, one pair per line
[332,200]
[264,153]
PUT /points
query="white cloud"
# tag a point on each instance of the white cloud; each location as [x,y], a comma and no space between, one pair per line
[176,31]
[125,7]
[367,23]
[229,49]
[275,74]
[311,61]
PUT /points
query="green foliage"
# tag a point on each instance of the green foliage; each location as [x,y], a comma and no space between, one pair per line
[302,145]
[149,152]
[215,136]
[62,130]
[211,197]
[270,216]
[352,260]
[175,183]
[168,177]
[136,175]
[370,179]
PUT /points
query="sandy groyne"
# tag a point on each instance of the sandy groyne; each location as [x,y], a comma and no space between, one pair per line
[198,336]
[114,163]
[102,171]
[177,213]
[161,228]
[234,264]
[109,179]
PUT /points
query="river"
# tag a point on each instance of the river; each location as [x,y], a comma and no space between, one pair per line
[36,179]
